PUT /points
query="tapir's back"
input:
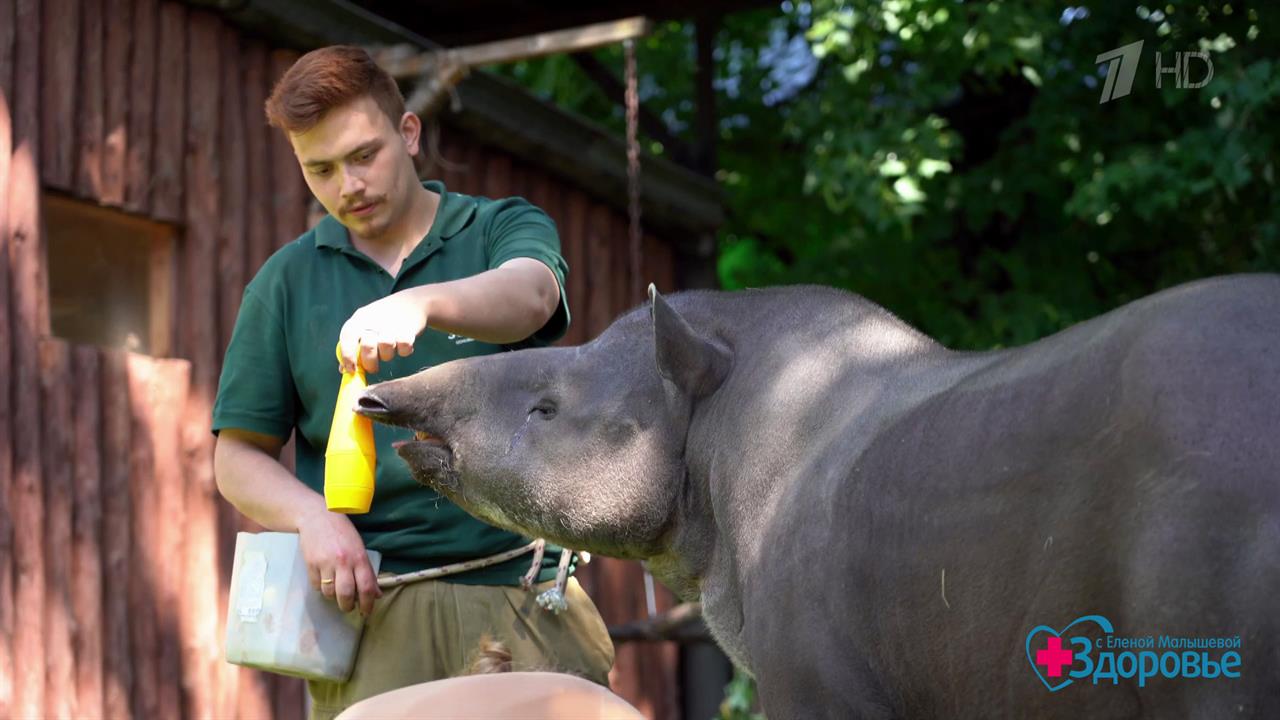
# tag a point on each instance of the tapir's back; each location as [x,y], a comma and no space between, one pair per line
[1127,467]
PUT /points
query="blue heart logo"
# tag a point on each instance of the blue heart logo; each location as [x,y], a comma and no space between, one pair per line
[1100,621]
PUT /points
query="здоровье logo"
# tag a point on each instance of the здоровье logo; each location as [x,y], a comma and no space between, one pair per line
[1076,652]
[1122,65]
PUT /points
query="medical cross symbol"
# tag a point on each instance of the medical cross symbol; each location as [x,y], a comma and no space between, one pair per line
[1054,658]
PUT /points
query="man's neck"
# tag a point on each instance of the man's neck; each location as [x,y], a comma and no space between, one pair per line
[391,248]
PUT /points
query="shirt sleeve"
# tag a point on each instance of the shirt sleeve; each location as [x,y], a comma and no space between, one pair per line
[256,390]
[519,229]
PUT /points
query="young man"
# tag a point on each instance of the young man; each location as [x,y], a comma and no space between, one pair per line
[404,275]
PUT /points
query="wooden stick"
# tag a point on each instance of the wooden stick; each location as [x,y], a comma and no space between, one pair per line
[403,64]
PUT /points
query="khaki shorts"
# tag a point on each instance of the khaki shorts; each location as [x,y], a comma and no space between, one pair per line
[431,629]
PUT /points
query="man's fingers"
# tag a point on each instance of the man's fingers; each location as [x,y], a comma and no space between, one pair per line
[313,576]
[404,348]
[386,350]
[367,585]
[346,588]
[369,356]
[328,582]
[348,346]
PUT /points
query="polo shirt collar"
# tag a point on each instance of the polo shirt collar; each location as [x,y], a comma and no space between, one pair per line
[452,217]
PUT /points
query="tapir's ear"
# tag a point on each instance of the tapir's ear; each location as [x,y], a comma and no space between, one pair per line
[694,363]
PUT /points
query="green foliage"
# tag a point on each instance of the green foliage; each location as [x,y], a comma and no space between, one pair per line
[739,699]
[952,161]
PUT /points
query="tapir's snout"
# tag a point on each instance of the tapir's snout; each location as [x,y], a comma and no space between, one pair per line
[394,404]
[430,458]
[374,408]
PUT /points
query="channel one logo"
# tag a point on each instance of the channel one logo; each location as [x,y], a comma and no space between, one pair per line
[1123,66]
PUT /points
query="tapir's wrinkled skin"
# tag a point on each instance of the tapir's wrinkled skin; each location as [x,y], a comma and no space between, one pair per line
[874,523]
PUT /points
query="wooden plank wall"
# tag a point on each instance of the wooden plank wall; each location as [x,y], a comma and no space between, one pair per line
[114,544]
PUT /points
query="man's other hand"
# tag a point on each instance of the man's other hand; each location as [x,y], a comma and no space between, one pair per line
[337,564]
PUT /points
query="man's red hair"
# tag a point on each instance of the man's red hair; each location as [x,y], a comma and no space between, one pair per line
[328,78]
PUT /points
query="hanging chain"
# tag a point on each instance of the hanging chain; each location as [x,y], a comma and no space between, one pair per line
[633,172]
[633,210]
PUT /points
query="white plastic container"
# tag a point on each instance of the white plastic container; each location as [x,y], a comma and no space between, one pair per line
[277,622]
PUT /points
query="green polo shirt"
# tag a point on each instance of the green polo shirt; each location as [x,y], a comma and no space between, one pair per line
[280,374]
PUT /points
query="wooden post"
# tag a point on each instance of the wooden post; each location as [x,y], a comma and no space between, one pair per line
[233,262]
[60,28]
[6,414]
[87,568]
[198,599]
[25,97]
[90,120]
[170,533]
[171,102]
[234,195]
[289,192]
[145,548]
[142,104]
[256,690]
[260,177]
[115,144]
[55,392]
[8,21]
[117,526]
[24,254]
[573,234]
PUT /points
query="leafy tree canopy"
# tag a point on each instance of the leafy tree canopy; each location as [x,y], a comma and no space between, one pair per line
[952,161]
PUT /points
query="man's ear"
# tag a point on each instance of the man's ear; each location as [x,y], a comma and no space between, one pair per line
[411,132]
[695,364]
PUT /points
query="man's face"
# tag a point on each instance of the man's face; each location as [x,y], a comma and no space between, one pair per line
[359,165]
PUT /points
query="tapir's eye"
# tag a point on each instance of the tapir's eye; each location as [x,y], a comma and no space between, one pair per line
[545,408]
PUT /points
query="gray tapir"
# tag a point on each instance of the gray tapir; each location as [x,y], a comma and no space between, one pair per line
[880,527]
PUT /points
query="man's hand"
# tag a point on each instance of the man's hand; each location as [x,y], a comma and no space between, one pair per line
[337,564]
[499,306]
[383,329]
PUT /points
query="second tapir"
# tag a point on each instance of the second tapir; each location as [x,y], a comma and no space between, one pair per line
[874,523]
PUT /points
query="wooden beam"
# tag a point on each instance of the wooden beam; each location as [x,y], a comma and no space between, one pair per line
[402,64]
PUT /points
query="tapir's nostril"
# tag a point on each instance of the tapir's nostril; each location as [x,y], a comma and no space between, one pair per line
[371,405]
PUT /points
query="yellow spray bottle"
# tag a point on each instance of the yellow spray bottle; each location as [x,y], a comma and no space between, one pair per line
[349,458]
